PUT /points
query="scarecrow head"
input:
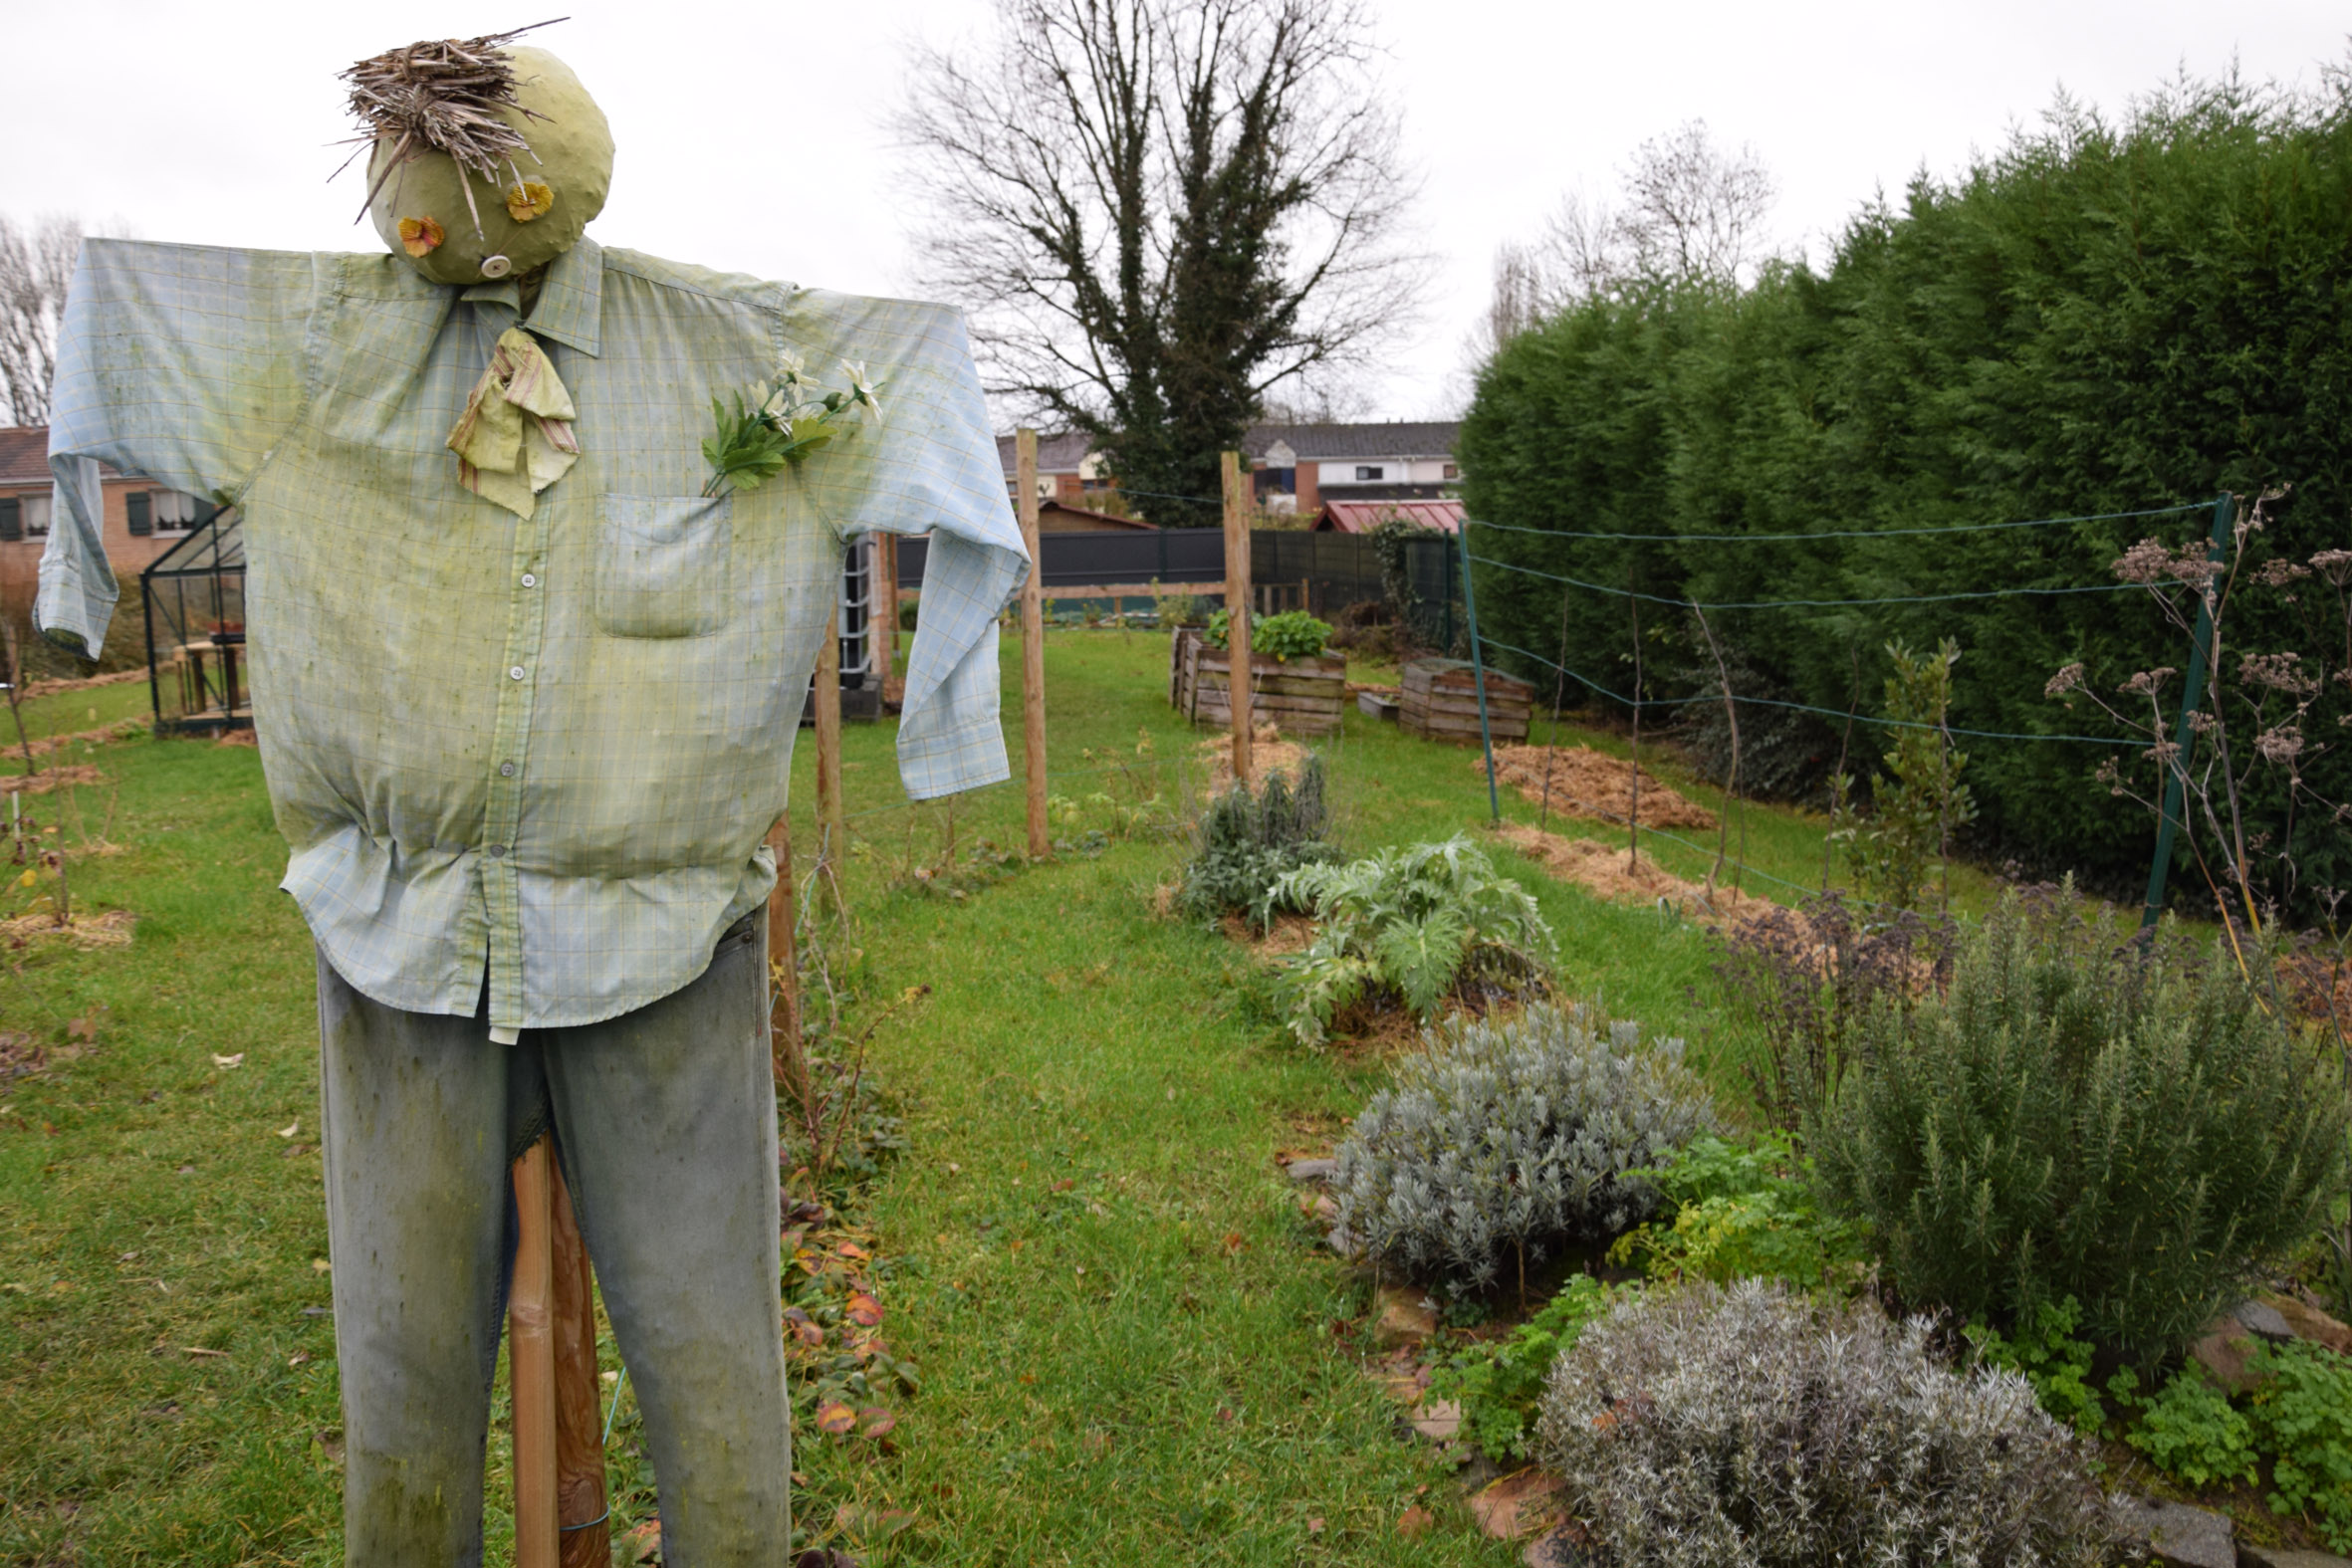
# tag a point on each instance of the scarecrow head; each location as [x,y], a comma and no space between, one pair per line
[483,160]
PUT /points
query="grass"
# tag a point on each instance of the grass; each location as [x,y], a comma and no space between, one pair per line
[69,712]
[1132,1350]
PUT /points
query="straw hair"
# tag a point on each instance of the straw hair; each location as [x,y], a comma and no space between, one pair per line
[447,94]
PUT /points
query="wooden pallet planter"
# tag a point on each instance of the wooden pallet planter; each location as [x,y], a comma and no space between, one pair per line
[1295,696]
[1439,701]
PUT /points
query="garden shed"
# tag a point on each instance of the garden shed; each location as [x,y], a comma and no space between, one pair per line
[193,597]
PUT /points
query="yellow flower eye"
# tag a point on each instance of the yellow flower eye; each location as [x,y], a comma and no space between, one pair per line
[420,235]
[528,200]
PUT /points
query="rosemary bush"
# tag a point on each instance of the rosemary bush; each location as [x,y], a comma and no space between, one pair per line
[1749,1424]
[2142,1134]
[1506,1139]
[1420,924]
[1246,843]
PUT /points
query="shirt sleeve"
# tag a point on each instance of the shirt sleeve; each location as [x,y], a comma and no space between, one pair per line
[927,464]
[181,364]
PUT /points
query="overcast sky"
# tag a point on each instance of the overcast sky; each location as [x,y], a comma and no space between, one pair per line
[765,149]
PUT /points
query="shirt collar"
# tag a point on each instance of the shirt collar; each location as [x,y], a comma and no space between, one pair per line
[571,301]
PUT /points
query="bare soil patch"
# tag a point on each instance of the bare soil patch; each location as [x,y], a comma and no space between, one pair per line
[1590,784]
[109,929]
[1607,871]
[1269,753]
[80,774]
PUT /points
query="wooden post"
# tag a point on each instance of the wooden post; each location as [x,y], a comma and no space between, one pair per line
[831,845]
[587,1525]
[1237,613]
[784,962]
[530,1361]
[1033,640]
[886,549]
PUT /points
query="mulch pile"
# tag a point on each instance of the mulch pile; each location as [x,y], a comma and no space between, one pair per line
[1604,870]
[1593,784]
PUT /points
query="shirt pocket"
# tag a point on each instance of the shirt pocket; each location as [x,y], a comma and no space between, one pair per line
[662,564]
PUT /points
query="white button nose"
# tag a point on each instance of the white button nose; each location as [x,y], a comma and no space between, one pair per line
[496,266]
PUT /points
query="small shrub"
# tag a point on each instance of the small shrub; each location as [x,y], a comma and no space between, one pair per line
[1418,924]
[1918,802]
[2043,1350]
[1802,979]
[2135,1132]
[1746,1209]
[2189,1432]
[1294,634]
[1498,1382]
[2302,1418]
[1183,609]
[1747,1424]
[1246,844]
[1508,1138]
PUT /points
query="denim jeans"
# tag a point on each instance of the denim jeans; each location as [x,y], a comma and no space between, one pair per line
[665,1126]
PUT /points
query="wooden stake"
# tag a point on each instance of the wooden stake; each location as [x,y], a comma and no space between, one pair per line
[1237,611]
[831,845]
[886,554]
[585,1537]
[531,1360]
[783,963]
[1033,640]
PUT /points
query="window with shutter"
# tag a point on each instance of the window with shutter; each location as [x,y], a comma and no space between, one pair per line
[138,509]
[12,519]
[36,515]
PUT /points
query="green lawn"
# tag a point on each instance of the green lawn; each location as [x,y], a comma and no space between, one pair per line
[1133,1351]
[69,712]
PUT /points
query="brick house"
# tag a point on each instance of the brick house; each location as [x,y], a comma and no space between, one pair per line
[142,518]
[1068,468]
[1297,468]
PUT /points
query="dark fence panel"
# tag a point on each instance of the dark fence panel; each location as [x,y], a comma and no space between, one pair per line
[1338,569]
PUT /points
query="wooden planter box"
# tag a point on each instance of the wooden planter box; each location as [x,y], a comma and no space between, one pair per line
[1440,700]
[1297,696]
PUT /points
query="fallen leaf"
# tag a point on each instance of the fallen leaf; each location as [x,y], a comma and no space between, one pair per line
[803,1328]
[83,1028]
[291,1128]
[419,236]
[1233,1241]
[1438,1420]
[528,201]
[875,1422]
[1315,1527]
[1517,1504]
[199,1350]
[863,1310]
[642,1545]
[852,1250]
[227,1063]
[836,1418]
[320,1265]
[299,1358]
[1415,1522]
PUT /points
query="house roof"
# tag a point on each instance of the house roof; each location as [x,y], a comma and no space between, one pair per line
[1112,519]
[1361,516]
[1399,438]
[1056,454]
[24,456]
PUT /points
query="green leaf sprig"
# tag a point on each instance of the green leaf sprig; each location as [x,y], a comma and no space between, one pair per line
[781,424]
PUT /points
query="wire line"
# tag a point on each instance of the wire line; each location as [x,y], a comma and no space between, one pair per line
[1859,532]
[1800,706]
[1900,598]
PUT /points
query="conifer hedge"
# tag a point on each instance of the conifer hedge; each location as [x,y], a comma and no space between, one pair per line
[2103,317]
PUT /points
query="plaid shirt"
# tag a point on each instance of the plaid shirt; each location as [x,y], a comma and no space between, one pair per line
[545,748]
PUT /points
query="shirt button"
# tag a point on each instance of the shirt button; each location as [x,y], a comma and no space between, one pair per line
[530,580]
[515,673]
[506,769]
[497,851]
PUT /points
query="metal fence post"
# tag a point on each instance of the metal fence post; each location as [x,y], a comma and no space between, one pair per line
[1477,668]
[2184,739]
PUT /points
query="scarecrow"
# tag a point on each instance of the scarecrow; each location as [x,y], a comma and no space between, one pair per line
[544,540]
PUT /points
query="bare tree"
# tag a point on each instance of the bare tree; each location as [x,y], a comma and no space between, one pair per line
[1158,211]
[1688,211]
[36,263]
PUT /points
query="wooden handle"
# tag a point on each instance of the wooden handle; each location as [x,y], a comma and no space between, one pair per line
[531,1360]
[580,1436]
